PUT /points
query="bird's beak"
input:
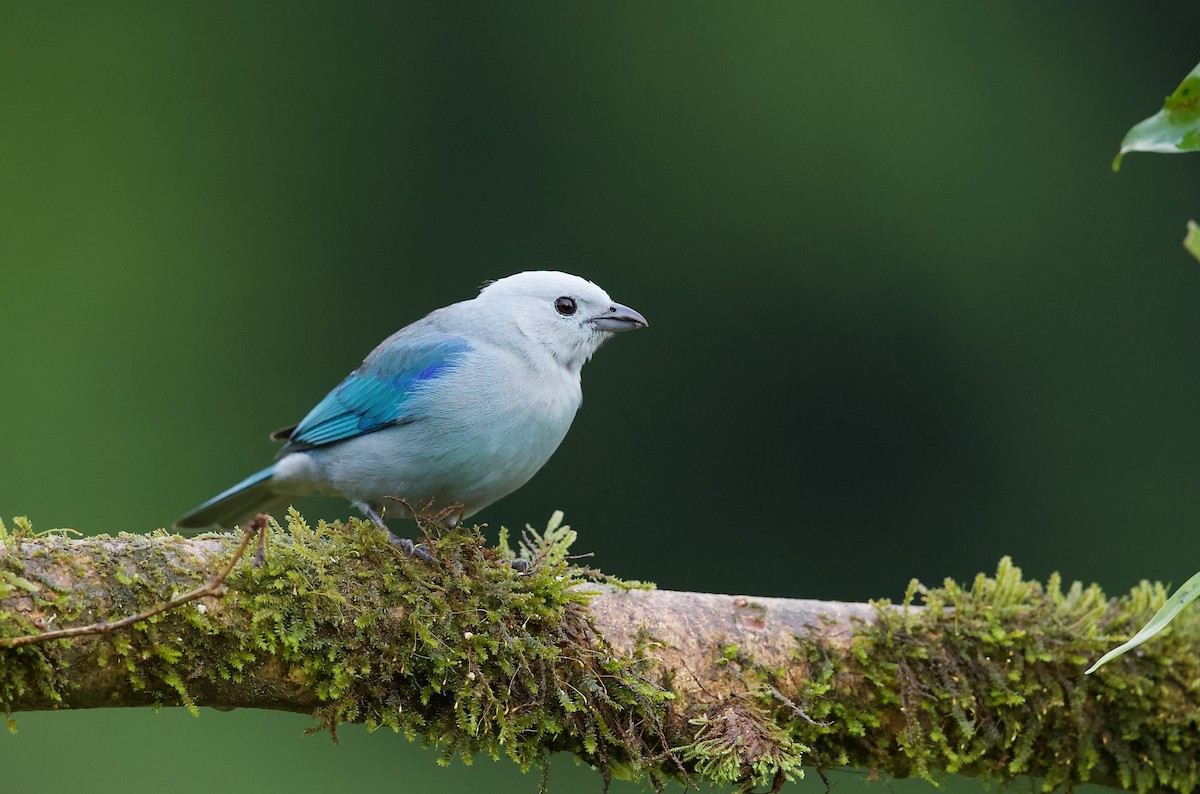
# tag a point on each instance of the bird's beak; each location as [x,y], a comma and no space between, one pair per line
[619,318]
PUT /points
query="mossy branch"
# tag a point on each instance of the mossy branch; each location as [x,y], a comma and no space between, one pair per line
[473,656]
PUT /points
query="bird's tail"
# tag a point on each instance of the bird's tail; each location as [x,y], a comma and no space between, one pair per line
[236,505]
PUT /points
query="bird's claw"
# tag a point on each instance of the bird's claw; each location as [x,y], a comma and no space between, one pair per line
[411,549]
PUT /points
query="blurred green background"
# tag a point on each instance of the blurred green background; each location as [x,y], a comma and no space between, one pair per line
[904,319]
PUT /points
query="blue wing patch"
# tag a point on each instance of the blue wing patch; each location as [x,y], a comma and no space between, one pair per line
[376,394]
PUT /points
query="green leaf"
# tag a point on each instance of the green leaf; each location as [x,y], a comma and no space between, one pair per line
[1175,128]
[1192,241]
[1178,600]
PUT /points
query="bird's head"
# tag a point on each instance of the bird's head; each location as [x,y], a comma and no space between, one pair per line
[568,315]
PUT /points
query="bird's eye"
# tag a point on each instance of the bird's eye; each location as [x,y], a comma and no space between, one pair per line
[565,306]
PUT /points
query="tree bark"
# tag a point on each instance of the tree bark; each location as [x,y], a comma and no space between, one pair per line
[479,657]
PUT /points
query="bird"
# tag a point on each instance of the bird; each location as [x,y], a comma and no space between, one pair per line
[445,416]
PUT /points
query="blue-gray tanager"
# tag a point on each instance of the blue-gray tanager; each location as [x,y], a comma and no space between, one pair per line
[446,415]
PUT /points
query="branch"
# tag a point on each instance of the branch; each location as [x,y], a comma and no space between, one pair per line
[214,587]
[475,656]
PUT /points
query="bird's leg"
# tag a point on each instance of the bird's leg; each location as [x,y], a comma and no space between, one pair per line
[404,544]
[373,515]
[453,516]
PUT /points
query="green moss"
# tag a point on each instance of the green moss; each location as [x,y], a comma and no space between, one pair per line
[738,741]
[23,670]
[985,680]
[469,654]
[988,680]
[473,656]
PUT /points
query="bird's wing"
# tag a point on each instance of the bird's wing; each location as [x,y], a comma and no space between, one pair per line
[378,393]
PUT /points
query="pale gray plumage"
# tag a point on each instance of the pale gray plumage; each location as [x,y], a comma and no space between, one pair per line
[448,414]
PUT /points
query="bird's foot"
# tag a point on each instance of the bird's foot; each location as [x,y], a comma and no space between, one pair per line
[408,547]
[403,544]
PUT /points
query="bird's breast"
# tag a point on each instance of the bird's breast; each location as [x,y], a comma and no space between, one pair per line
[476,439]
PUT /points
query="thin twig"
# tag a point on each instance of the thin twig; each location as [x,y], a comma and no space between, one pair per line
[215,587]
[799,712]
